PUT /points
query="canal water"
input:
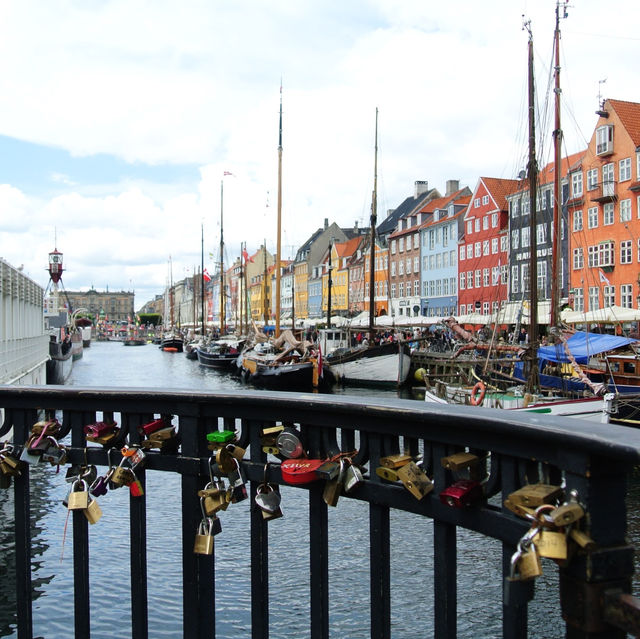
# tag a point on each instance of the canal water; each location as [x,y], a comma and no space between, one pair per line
[109,364]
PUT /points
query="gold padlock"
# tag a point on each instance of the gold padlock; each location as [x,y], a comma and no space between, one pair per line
[551,544]
[529,564]
[459,461]
[415,480]
[93,512]
[387,473]
[333,487]
[79,499]
[534,495]
[395,461]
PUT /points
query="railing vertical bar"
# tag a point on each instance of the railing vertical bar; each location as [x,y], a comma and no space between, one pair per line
[22,508]
[82,619]
[445,562]
[198,571]
[319,563]
[515,617]
[138,560]
[259,549]
[379,554]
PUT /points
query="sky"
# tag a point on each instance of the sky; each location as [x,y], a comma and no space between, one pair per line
[119,118]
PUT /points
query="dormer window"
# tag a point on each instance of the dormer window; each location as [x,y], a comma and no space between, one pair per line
[604,139]
[451,210]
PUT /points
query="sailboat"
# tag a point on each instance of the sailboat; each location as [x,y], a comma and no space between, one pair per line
[371,365]
[574,403]
[172,340]
[283,363]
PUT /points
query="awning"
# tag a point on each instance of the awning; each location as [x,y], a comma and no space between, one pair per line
[582,346]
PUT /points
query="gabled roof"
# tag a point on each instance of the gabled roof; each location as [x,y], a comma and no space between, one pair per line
[567,164]
[408,206]
[629,114]
[462,202]
[499,188]
[348,248]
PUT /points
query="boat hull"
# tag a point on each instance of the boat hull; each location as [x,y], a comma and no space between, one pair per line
[60,364]
[220,361]
[172,344]
[385,365]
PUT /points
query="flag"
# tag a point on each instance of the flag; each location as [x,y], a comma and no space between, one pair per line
[228,173]
[206,276]
[246,257]
[319,361]
[603,277]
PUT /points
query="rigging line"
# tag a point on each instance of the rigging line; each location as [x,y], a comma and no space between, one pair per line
[604,36]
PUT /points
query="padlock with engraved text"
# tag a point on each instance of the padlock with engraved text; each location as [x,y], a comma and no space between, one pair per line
[534,495]
[55,453]
[415,480]
[213,498]
[208,528]
[78,498]
[93,512]
[122,475]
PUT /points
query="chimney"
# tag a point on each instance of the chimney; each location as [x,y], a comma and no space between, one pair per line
[356,225]
[422,186]
[452,187]
[389,212]
[326,223]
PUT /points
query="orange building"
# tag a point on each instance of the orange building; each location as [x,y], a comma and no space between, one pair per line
[604,215]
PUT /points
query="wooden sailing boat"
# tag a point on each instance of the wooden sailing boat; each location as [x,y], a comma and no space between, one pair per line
[371,365]
[172,340]
[283,363]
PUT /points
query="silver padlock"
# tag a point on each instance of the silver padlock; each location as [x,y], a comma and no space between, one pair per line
[352,477]
[267,498]
[289,443]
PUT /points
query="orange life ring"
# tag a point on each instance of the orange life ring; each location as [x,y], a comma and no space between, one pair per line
[477,394]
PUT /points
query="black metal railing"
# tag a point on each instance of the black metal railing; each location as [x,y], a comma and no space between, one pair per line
[513,450]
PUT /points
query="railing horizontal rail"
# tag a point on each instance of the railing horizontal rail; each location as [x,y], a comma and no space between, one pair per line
[514,448]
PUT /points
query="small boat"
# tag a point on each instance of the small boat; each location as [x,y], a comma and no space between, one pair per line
[134,341]
[172,342]
[221,354]
[60,364]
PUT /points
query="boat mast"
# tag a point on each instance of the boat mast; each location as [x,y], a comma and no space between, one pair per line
[222,318]
[556,280]
[533,379]
[265,301]
[329,283]
[202,277]
[372,251]
[278,245]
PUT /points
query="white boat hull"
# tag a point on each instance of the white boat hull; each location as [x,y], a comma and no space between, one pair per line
[391,369]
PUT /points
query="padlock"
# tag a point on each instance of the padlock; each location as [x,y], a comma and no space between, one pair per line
[269,437]
[47,426]
[267,498]
[415,480]
[163,434]
[551,544]
[121,475]
[78,499]
[387,473]
[462,493]
[329,470]
[290,444]
[352,476]
[28,457]
[517,591]
[99,486]
[395,461]
[153,426]
[9,465]
[221,437]
[55,453]
[135,487]
[214,498]
[459,461]
[582,539]
[534,495]
[519,509]
[237,483]
[225,460]
[566,514]
[529,565]
[93,512]
[236,451]
[99,429]
[300,471]
[134,455]
[208,528]
[333,487]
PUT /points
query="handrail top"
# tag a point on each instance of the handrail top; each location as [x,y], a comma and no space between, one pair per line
[416,418]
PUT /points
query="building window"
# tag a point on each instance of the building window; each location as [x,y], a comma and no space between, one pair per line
[576,184]
[485,223]
[504,272]
[476,203]
[478,276]
[445,235]
[514,208]
[416,264]
[469,279]
[462,281]
[578,259]
[541,233]
[604,144]
[525,204]
[462,253]
[607,179]
[485,277]
[524,276]
[478,249]
[477,225]
[577,221]
[625,210]
[592,217]
[416,240]
[594,298]
[494,220]
[408,265]
[626,252]
[504,243]
[515,270]
[495,275]
[416,287]
[524,232]
[515,239]
[592,179]
[401,289]
[393,289]
[445,286]
[485,308]
[542,277]
[609,294]
[393,269]
[624,169]
[626,296]
[607,214]
[485,200]
[393,247]
[401,267]
[401,245]
[578,299]
[469,251]
[485,247]
[439,260]
[494,245]
[469,227]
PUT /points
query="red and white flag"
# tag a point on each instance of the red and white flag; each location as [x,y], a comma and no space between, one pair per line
[603,277]
[206,276]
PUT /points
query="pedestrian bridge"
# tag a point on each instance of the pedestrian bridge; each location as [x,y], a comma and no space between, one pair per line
[453,464]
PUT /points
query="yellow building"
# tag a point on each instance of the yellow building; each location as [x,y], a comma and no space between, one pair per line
[301,301]
[341,255]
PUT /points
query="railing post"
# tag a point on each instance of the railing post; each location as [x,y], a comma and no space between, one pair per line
[591,573]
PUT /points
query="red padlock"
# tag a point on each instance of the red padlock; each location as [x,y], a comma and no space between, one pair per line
[153,426]
[99,429]
[463,493]
[300,471]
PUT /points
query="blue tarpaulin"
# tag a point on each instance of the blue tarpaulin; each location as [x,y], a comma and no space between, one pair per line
[582,346]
